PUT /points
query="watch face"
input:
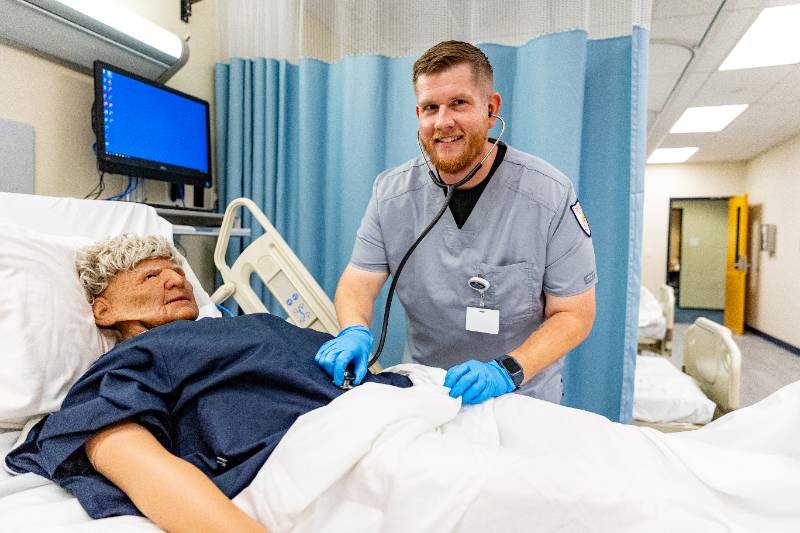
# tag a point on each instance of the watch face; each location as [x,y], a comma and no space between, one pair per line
[511,366]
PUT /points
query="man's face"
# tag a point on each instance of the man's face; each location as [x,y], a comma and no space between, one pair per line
[154,293]
[453,110]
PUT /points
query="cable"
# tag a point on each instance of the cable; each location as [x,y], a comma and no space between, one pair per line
[100,185]
[124,193]
[224,309]
[388,308]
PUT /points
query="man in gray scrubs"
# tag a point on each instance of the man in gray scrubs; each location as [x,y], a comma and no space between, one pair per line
[503,286]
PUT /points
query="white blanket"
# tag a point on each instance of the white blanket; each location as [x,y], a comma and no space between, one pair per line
[662,393]
[386,459]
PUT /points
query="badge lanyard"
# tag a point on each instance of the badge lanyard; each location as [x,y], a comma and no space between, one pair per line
[482,319]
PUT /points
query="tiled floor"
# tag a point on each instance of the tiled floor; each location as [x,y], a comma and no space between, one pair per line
[765,366]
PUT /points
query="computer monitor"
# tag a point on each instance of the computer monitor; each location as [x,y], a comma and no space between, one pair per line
[145,129]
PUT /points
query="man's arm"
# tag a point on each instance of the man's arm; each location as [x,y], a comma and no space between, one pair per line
[568,321]
[356,294]
[172,492]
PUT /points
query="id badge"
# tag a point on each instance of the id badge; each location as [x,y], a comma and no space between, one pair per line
[483,320]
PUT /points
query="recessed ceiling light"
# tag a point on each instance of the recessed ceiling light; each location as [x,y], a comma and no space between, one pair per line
[671,155]
[773,39]
[707,118]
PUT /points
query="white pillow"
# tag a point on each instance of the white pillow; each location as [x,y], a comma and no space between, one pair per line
[48,337]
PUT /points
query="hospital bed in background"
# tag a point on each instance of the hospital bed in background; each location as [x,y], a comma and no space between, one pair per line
[656,320]
[709,386]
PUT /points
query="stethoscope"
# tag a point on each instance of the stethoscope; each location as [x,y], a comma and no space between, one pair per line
[473,283]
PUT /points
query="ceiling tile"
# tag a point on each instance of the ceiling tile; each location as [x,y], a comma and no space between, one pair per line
[738,86]
[725,33]
[688,29]
[772,92]
[682,8]
[667,59]
[786,90]
[747,4]
[658,89]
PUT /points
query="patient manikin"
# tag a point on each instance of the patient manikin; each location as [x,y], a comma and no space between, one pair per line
[180,415]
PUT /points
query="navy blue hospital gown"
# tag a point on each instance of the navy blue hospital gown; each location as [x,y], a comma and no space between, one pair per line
[220,393]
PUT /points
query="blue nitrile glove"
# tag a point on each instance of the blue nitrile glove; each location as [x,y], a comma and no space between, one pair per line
[476,382]
[351,344]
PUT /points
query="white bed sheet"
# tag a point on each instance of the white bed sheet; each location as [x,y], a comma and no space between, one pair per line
[398,460]
[663,394]
[652,322]
[409,460]
[32,503]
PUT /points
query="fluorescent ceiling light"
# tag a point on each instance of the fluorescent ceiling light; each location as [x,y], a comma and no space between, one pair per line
[773,39]
[707,118]
[671,155]
[130,23]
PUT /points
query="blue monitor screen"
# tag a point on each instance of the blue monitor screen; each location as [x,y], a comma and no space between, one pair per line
[148,125]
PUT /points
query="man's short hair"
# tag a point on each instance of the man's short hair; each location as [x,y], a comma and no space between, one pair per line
[447,54]
[98,263]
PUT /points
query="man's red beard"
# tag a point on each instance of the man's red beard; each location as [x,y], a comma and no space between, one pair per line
[472,149]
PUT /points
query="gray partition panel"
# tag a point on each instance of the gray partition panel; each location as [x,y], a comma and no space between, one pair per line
[16,157]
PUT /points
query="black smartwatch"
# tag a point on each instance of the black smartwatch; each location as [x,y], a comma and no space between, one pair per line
[512,367]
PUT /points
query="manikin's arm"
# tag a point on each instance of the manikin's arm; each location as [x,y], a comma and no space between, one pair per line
[356,294]
[568,321]
[171,492]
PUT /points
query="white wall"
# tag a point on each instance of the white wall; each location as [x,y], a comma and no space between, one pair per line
[773,181]
[56,101]
[662,182]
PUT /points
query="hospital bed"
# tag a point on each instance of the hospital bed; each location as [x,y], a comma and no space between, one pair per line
[39,235]
[414,472]
[656,320]
[670,400]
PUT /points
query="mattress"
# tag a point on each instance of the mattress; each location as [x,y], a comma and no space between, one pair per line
[664,394]
[32,503]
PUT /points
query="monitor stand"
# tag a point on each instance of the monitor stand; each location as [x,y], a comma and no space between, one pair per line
[198,198]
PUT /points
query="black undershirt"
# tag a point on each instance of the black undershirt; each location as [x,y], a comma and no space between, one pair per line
[464,201]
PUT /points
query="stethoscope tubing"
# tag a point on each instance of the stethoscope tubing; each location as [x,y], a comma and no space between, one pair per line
[437,180]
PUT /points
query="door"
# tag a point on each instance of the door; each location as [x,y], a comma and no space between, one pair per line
[736,264]
[674,250]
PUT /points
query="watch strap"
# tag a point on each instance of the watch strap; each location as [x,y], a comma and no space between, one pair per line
[514,369]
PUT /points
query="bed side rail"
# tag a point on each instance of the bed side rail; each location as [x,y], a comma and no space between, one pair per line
[711,356]
[271,259]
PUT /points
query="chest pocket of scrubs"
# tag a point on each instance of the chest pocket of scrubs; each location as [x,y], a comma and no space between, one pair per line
[514,290]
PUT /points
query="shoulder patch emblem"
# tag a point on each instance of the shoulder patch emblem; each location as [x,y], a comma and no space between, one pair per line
[580,216]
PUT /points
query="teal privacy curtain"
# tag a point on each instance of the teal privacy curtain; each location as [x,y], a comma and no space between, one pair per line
[305,132]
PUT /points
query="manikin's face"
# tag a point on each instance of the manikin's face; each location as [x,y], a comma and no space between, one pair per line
[154,293]
[453,110]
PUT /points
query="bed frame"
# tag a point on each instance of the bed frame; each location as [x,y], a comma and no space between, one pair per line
[271,259]
[713,359]
[662,346]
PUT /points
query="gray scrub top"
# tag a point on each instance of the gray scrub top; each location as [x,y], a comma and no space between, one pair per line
[523,236]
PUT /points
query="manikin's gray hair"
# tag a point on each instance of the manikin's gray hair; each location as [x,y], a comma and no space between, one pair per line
[98,263]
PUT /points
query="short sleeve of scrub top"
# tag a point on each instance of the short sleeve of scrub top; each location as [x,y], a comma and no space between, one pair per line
[369,252]
[570,264]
